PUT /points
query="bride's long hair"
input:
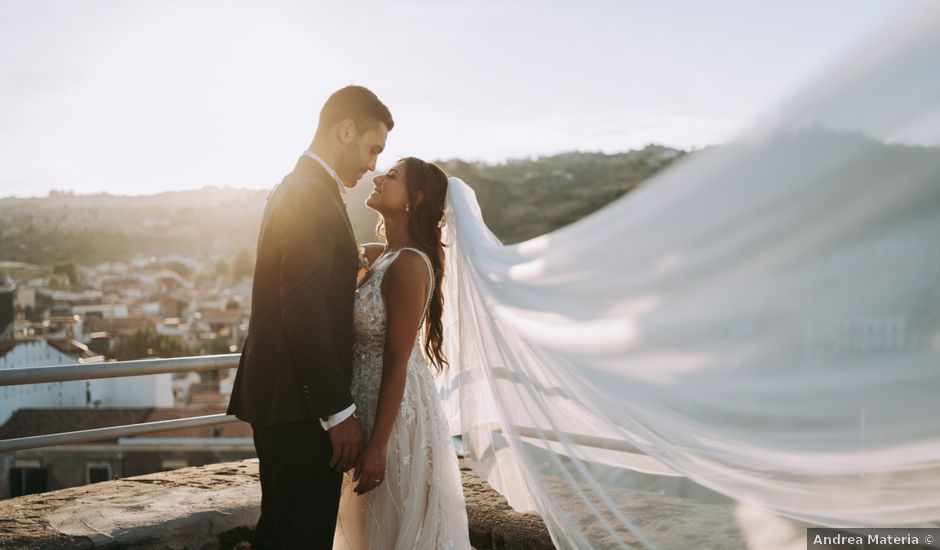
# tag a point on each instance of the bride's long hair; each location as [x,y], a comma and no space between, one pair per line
[425,230]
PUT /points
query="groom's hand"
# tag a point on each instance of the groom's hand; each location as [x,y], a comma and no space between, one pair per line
[346,438]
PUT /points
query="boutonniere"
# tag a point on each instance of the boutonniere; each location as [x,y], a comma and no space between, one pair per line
[363,262]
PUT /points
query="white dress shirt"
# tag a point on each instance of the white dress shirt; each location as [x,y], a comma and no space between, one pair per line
[333,419]
[331,172]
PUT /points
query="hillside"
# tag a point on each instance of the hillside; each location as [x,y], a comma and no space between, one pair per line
[520,199]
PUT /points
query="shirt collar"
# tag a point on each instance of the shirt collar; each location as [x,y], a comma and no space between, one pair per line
[331,172]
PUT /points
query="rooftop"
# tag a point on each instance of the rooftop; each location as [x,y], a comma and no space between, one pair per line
[216,507]
[206,507]
[68,346]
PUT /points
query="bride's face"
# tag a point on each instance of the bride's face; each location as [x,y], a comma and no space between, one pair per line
[390,191]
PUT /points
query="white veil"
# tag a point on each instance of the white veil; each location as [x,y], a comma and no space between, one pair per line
[756,330]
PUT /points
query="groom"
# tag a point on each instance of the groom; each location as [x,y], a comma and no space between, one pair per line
[293,378]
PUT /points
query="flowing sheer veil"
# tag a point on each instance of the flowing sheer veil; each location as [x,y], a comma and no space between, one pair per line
[748,341]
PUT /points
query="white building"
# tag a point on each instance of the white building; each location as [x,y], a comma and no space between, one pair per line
[65,296]
[136,391]
[25,297]
[105,311]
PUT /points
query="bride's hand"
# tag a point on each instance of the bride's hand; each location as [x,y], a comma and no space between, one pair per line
[370,470]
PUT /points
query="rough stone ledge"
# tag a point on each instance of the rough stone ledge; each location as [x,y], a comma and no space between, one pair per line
[216,507]
[207,507]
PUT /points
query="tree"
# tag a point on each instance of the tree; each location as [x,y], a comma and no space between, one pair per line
[146,343]
[180,269]
[68,269]
[204,278]
[243,265]
[221,268]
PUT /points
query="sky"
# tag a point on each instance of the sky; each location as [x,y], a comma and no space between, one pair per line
[132,97]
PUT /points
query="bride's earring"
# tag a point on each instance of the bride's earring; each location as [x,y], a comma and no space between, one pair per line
[407,208]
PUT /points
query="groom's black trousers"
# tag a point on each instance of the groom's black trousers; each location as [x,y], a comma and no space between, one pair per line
[299,490]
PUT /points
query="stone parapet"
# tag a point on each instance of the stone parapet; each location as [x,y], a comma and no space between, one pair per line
[207,507]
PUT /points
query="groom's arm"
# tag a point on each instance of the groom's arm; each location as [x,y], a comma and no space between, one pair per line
[306,242]
[336,419]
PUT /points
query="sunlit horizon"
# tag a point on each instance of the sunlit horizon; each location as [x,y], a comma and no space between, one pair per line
[135,99]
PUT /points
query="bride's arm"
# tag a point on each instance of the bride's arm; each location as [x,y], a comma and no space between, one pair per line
[404,289]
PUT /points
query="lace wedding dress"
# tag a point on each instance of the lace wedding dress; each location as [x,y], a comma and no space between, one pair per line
[420,504]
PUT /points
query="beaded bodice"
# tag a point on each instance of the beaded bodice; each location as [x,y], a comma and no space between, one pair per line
[369,323]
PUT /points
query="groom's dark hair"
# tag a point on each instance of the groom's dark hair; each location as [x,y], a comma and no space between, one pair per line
[357,103]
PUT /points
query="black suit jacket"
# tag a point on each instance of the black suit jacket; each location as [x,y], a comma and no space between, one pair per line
[297,359]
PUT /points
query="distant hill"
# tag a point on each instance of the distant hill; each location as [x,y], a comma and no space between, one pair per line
[520,199]
[89,229]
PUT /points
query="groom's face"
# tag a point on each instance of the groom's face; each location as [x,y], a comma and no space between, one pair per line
[360,152]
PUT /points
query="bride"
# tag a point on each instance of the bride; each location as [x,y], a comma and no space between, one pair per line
[405,491]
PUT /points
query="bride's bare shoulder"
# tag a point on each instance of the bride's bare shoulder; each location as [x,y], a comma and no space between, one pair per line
[372,251]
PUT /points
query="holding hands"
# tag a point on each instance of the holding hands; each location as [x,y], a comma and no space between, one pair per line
[370,470]
[348,452]
[346,439]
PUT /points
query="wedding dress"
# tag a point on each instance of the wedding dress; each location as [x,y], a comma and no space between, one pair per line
[420,504]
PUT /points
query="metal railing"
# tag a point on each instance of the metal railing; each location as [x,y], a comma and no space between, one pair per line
[91,371]
[141,367]
[116,369]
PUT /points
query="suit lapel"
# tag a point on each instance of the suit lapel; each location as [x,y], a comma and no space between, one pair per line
[309,168]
